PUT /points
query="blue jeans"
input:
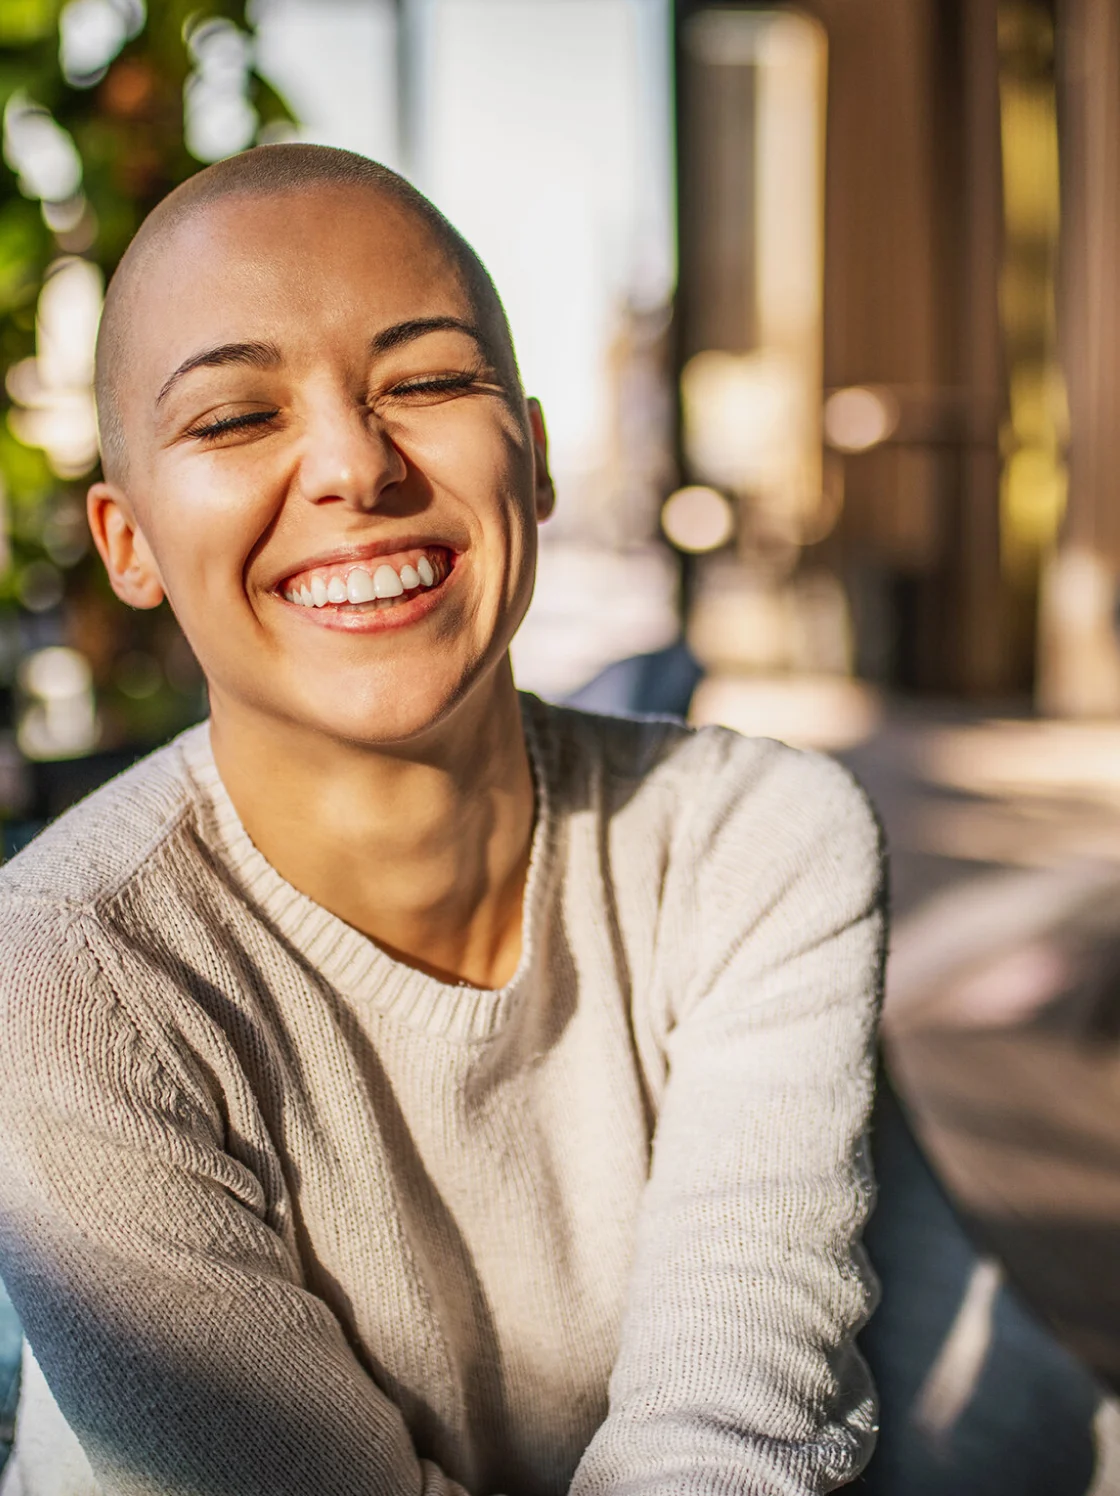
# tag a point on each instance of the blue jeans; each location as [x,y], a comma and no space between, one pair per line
[11,1341]
[977,1398]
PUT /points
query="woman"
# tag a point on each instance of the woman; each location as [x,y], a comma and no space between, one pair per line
[414,1087]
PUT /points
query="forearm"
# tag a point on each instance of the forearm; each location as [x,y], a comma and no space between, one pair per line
[736,1370]
[210,1397]
[171,1323]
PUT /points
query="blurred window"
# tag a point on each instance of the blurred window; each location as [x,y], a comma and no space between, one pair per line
[335,62]
[752,222]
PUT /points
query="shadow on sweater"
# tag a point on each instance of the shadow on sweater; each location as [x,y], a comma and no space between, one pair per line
[274,1070]
[270,1060]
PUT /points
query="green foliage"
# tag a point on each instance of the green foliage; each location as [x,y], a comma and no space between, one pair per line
[25,21]
[126,122]
[22,248]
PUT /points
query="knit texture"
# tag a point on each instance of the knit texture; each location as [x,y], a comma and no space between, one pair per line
[282,1215]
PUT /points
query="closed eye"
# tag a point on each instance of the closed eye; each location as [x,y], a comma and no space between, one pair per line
[438,384]
[242,422]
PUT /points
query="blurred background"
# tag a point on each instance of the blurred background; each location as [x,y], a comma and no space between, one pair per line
[821,301]
[818,299]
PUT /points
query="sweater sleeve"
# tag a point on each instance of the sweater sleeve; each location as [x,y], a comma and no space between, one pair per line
[737,1371]
[168,1318]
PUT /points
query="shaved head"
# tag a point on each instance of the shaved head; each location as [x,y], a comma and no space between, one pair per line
[269,171]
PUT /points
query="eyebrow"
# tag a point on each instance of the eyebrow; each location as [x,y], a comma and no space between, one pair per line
[418,327]
[267,355]
[255,355]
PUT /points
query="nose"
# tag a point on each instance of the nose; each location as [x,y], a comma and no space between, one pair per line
[347,457]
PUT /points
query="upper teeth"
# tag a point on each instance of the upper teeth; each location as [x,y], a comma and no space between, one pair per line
[359,586]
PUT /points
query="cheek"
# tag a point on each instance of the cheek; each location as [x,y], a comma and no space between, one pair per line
[476,453]
[204,536]
[205,531]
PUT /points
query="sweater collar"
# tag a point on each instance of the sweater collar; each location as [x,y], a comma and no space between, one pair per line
[350,961]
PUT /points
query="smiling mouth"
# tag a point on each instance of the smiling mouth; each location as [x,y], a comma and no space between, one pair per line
[364,586]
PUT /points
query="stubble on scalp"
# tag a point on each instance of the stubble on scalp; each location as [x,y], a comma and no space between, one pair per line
[269,171]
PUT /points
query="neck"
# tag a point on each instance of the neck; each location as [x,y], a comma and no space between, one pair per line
[426,854]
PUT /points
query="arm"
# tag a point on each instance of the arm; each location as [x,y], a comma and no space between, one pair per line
[736,1371]
[168,1318]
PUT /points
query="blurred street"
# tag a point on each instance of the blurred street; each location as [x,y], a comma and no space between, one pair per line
[964,792]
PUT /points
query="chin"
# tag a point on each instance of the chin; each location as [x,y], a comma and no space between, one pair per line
[371,706]
[393,714]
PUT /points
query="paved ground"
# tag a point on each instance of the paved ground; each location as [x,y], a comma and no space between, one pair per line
[962,794]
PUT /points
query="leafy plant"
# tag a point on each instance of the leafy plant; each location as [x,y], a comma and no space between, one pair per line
[107,105]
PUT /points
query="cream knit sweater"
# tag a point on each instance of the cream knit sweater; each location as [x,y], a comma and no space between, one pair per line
[282,1215]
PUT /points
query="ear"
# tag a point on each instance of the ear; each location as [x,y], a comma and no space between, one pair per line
[543,490]
[133,573]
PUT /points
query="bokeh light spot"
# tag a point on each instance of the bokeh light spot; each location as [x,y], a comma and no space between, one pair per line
[858,418]
[698,519]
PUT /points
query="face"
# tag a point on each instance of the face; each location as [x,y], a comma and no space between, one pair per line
[329,473]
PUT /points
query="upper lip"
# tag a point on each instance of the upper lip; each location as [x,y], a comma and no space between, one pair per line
[351,555]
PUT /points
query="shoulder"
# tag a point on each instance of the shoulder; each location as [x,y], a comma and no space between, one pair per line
[780,796]
[64,894]
[617,759]
[772,823]
[93,850]
[783,856]
[72,902]
[716,780]
[577,745]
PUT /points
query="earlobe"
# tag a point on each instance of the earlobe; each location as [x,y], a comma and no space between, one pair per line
[544,491]
[133,573]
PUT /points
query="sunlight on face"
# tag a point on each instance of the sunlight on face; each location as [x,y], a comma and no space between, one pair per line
[338,487]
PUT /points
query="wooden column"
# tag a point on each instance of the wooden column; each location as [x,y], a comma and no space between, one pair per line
[911,303]
[1080,664]
[912,258]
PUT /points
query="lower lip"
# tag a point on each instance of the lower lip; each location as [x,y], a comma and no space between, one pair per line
[363,619]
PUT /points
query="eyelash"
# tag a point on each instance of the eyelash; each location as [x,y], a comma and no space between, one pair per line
[233,423]
[448,383]
[438,384]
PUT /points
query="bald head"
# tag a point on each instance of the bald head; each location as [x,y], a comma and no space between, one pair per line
[270,171]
